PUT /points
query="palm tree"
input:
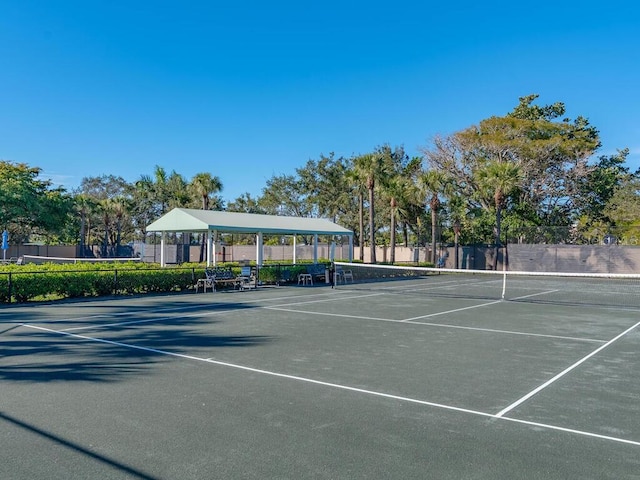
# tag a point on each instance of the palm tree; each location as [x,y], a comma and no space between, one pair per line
[371,167]
[203,185]
[500,179]
[106,216]
[360,188]
[396,189]
[84,206]
[432,184]
[120,208]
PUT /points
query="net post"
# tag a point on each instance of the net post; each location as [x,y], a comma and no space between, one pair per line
[504,279]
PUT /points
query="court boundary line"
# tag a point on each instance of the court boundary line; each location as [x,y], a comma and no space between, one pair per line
[443,325]
[191,315]
[541,387]
[342,387]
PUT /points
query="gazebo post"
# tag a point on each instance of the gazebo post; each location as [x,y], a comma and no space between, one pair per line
[163,263]
[214,247]
[315,248]
[209,246]
[350,248]
[259,249]
[295,249]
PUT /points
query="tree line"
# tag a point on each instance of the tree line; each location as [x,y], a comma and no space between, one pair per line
[532,173]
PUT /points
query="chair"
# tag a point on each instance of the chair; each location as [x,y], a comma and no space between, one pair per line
[305,279]
[247,278]
[285,277]
[207,282]
[343,275]
[347,275]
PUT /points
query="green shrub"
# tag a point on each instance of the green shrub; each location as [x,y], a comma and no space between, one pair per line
[50,281]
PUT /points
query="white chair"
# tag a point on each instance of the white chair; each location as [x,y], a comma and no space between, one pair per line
[247,279]
[343,275]
[347,275]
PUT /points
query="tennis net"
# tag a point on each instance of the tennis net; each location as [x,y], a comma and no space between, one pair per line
[615,290]
[38,259]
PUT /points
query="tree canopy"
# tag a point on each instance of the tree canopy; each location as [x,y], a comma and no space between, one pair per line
[530,169]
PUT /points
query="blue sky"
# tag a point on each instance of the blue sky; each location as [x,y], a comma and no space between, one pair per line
[249,90]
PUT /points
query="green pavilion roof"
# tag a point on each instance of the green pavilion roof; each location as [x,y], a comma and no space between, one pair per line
[194,220]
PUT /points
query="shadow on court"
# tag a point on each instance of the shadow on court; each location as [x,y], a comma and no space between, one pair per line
[47,356]
[74,447]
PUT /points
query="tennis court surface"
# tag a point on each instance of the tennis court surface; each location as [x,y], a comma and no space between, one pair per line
[314,382]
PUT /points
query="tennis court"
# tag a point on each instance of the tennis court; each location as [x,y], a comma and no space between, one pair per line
[315,382]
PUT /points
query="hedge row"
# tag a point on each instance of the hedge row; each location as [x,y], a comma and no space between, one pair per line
[44,282]
[23,283]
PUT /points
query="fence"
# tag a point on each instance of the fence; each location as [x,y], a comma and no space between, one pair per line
[600,258]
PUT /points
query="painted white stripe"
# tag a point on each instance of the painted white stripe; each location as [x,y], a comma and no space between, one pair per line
[534,294]
[192,315]
[442,325]
[344,387]
[571,430]
[339,315]
[563,373]
[131,313]
[453,311]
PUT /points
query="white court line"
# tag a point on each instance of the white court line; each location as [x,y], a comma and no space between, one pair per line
[341,387]
[199,314]
[534,295]
[443,325]
[563,373]
[167,309]
[452,311]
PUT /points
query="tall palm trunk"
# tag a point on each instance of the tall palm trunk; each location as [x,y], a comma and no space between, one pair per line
[499,200]
[372,233]
[392,234]
[361,219]
[435,204]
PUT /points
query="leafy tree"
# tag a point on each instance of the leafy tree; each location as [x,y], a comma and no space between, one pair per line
[599,185]
[29,204]
[245,203]
[286,195]
[103,187]
[328,187]
[103,202]
[623,208]
[551,156]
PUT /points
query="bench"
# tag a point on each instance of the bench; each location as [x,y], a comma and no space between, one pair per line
[217,277]
[224,277]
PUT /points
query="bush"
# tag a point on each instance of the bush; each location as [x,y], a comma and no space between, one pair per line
[50,281]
